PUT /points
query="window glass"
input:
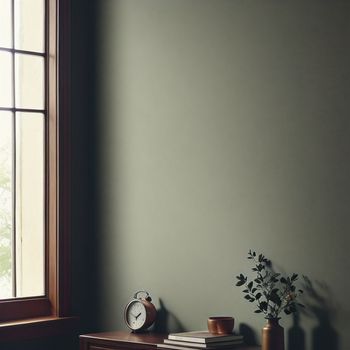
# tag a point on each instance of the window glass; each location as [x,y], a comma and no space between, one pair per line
[29,204]
[29,73]
[22,149]
[5,24]
[6,87]
[29,25]
[6,204]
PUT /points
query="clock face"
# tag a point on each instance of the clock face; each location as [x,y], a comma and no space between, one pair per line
[135,315]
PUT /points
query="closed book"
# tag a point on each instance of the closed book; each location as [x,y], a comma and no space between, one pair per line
[217,345]
[203,337]
[178,347]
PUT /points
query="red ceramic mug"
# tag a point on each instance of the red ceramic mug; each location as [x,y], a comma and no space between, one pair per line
[220,324]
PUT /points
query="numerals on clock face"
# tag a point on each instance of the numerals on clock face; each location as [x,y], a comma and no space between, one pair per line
[136,315]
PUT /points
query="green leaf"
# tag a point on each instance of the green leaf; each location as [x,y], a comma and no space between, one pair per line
[294,277]
[275,299]
[258,296]
[283,280]
[263,305]
[258,311]
[240,283]
[260,267]
[250,285]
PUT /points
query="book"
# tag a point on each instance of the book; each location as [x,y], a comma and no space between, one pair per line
[203,337]
[206,346]
[209,347]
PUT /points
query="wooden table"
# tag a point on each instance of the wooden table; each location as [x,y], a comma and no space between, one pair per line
[124,340]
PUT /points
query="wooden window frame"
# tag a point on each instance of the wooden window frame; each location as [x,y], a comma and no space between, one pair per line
[51,314]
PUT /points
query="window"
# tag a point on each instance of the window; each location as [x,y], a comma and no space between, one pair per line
[22,150]
[34,160]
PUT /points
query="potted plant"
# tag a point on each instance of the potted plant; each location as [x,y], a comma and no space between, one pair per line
[272,293]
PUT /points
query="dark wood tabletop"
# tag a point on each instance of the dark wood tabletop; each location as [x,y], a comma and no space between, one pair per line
[129,339]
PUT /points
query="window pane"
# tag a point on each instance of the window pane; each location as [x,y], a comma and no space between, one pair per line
[29,25]
[6,79]
[29,81]
[6,153]
[5,23]
[29,204]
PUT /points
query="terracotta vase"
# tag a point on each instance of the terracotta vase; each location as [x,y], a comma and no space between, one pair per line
[273,335]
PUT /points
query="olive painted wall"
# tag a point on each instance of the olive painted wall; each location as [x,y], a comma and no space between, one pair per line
[222,125]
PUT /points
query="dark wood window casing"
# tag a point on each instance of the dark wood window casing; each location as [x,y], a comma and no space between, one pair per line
[51,314]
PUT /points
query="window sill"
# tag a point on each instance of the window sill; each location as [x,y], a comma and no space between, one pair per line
[37,328]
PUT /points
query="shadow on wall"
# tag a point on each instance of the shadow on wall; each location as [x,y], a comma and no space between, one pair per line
[248,333]
[86,194]
[296,335]
[166,322]
[319,305]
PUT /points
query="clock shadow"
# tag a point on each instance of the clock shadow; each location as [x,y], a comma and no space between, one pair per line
[166,321]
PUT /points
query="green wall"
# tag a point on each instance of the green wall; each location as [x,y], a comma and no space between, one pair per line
[219,126]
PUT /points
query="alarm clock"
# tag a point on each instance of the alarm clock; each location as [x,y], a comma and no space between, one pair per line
[140,313]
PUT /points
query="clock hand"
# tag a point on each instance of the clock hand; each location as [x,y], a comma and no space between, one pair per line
[138,315]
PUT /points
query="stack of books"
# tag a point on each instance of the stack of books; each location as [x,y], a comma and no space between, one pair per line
[200,340]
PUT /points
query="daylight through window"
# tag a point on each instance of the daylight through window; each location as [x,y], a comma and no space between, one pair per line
[23,127]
